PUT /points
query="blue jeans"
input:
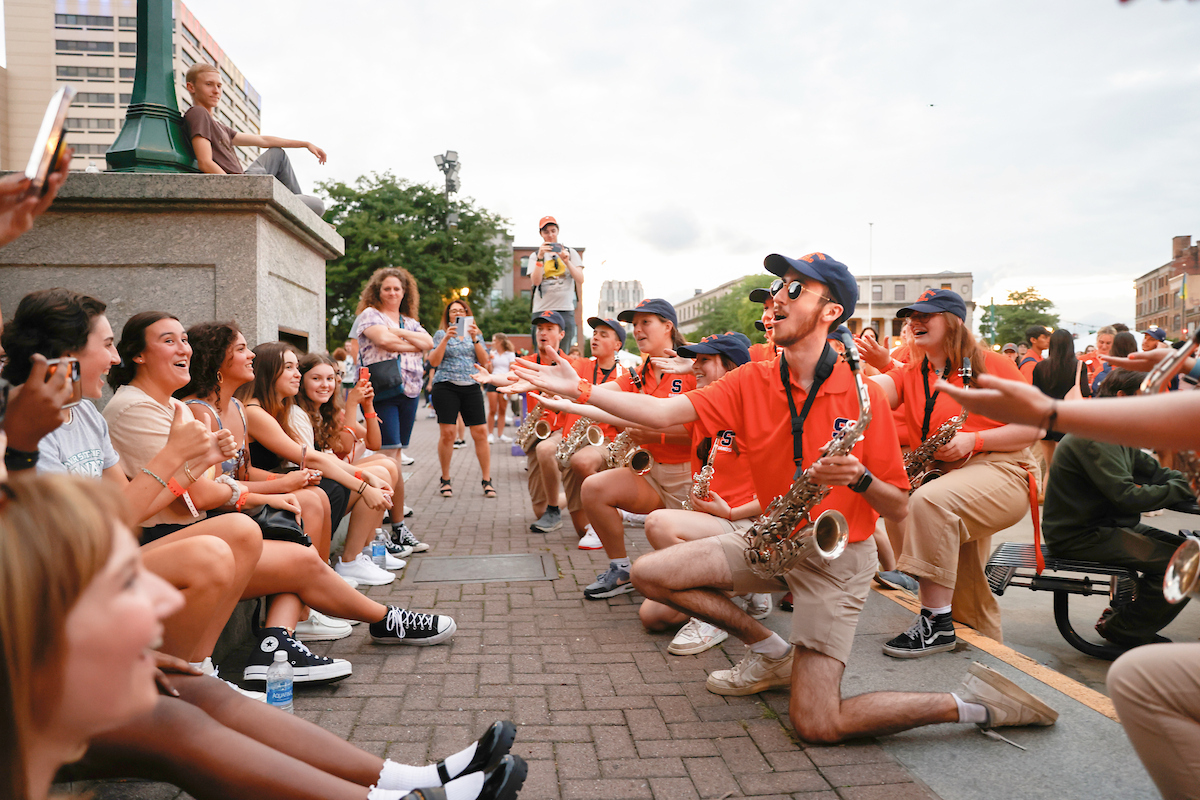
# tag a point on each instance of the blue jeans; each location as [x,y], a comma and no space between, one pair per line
[396,417]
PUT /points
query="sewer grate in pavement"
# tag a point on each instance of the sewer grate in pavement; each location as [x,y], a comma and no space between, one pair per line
[483,569]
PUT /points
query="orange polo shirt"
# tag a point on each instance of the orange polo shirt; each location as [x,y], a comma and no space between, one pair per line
[1027,365]
[589,368]
[669,385]
[911,389]
[531,400]
[763,351]
[751,400]
[731,469]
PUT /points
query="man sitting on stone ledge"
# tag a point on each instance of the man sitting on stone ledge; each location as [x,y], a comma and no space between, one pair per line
[213,141]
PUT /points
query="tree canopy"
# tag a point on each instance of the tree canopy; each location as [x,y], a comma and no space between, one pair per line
[510,315]
[1024,309]
[391,222]
[734,311]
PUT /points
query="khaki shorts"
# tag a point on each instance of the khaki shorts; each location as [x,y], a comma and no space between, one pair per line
[537,491]
[827,596]
[573,482]
[672,482]
[735,525]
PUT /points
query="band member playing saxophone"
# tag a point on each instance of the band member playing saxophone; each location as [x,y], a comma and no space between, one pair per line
[783,439]
[985,488]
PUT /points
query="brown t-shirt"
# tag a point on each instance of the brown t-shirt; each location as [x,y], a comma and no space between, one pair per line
[200,122]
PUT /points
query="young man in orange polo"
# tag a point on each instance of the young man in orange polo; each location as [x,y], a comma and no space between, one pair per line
[1038,337]
[784,411]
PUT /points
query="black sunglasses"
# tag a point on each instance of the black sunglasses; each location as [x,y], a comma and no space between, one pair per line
[794,289]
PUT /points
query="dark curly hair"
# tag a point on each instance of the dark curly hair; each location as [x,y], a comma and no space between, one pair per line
[410,305]
[325,416]
[211,343]
[133,342]
[50,322]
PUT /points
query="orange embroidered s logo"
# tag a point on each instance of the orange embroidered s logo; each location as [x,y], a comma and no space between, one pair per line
[927,294]
[811,257]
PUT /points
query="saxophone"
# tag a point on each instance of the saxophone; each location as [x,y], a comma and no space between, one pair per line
[622,453]
[919,462]
[702,479]
[583,432]
[774,544]
[533,429]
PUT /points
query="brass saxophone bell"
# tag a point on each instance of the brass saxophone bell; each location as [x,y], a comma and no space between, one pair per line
[1183,573]
[542,430]
[640,461]
[595,436]
[830,535]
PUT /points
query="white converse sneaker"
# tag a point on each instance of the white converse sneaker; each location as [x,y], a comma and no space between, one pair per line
[590,540]
[320,628]
[753,674]
[696,637]
[363,570]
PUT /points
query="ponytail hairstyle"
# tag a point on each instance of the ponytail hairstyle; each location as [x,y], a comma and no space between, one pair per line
[132,344]
[325,417]
[268,366]
[52,322]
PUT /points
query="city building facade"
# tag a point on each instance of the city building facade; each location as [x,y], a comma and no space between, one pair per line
[92,45]
[616,296]
[1160,293]
[693,308]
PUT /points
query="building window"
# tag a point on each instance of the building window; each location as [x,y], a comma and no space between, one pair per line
[191,37]
[524,266]
[71,45]
[186,57]
[127,22]
[876,292]
[207,56]
[83,20]
[226,78]
[224,118]
[88,124]
[93,98]
[85,72]
[946,286]
[125,98]
[126,74]
[899,289]
[82,149]
[129,47]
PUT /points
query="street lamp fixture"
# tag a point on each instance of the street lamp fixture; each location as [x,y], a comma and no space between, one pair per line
[464,291]
[449,165]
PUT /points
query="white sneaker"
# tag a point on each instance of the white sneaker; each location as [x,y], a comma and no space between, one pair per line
[208,669]
[363,570]
[408,512]
[1006,703]
[353,584]
[406,459]
[637,520]
[320,628]
[390,562]
[505,438]
[590,540]
[491,438]
[431,414]
[758,605]
[696,637]
[753,674]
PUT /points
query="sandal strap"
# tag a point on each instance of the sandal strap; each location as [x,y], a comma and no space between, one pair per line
[445,481]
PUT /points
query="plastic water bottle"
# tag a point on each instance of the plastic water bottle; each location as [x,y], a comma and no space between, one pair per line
[279,683]
[379,549]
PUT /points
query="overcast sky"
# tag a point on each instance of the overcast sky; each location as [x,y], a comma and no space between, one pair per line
[1053,144]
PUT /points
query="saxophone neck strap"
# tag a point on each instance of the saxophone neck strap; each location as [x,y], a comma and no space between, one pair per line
[824,369]
[930,400]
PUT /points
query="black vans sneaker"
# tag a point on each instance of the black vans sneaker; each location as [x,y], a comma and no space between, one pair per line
[308,667]
[931,633]
[401,626]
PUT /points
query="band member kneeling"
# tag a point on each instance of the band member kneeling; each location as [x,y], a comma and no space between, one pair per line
[815,294]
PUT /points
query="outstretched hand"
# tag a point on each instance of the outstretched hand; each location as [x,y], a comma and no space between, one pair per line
[873,352]
[553,403]
[556,376]
[672,363]
[1141,361]
[1002,400]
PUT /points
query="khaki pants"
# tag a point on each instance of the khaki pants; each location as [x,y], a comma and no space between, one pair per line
[537,492]
[948,534]
[1156,691]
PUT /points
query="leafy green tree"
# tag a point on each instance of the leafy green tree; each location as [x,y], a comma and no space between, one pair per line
[506,316]
[388,221]
[1024,309]
[734,311]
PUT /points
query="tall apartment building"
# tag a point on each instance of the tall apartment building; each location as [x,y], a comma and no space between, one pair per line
[92,45]
[616,296]
[1158,291]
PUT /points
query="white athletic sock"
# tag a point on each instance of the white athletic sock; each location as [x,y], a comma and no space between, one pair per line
[621,562]
[456,763]
[408,777]
[196,665]
[970,712]
[467,787]
[773,646]
[936,611]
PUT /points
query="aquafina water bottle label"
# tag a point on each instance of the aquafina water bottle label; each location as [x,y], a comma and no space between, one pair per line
[279,693]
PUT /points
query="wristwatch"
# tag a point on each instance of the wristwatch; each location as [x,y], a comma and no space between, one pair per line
[862,483]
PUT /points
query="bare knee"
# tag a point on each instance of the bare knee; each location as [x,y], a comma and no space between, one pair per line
[211,563]
[478,433]
[659,531]
[657,617]
[813,729]
[651,573]
[243,536]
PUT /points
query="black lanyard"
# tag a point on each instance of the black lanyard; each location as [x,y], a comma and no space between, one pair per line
[824,370]
[930,401]
[638,380]
[607,372]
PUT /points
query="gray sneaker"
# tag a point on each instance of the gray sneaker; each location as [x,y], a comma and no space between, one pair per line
[610,583]
[551,520]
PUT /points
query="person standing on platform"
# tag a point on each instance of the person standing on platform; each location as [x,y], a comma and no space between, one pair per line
[557,278]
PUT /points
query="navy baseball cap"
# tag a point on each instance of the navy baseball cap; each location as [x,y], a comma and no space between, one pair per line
[934,301]
[653,305]
[760,295]
[820,267]
[617,327]
[1157,333]
[552,317]
[734,346]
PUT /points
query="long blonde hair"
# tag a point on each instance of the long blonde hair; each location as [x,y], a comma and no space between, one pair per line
[959,342]
[56,534]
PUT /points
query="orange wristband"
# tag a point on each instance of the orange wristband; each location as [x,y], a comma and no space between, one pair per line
[662,438]
[370,415]
[585,390]
[175,488]
[978,443]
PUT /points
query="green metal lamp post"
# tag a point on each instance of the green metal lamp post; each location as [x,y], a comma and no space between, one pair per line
[153,138]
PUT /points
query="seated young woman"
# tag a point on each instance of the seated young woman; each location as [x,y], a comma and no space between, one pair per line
[212,567]
[282,437]
[329,430]
[221,362]
[82,681]
[155,362]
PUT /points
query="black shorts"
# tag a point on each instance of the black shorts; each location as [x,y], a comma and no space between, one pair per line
[158,531]
[450,400]
[339,498]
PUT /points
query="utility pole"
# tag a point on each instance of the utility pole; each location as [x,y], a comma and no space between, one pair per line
[449,165]
[871,273]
